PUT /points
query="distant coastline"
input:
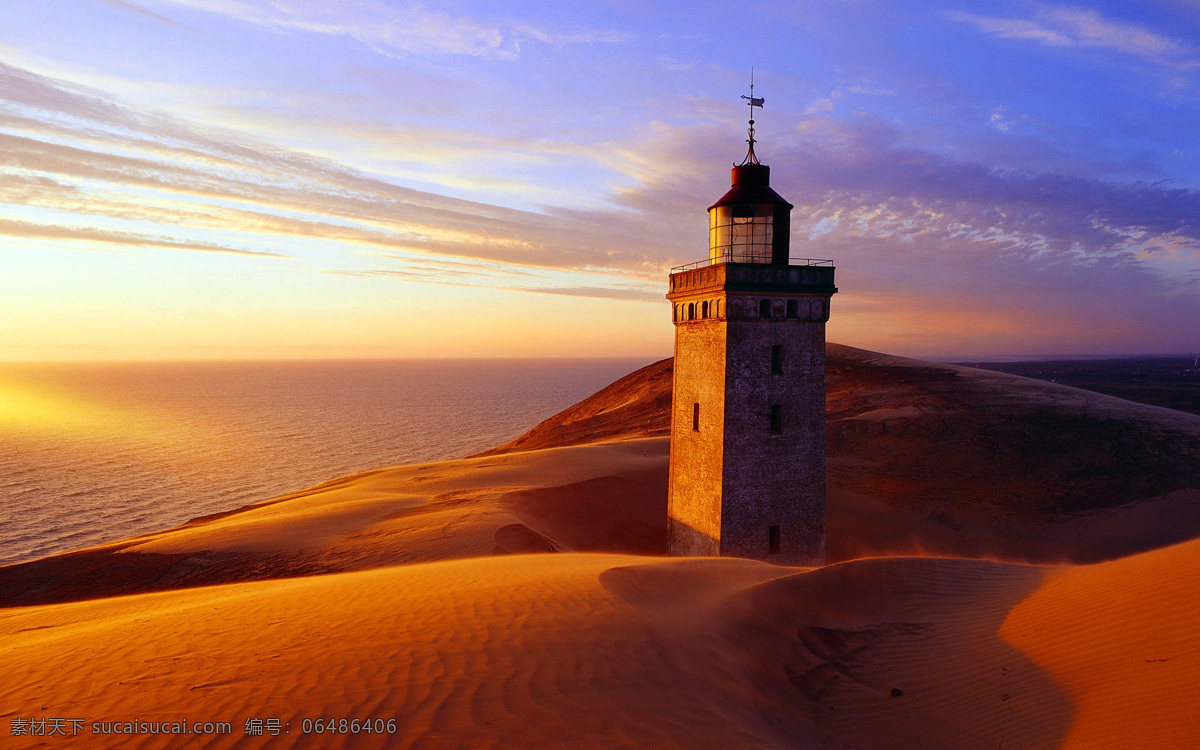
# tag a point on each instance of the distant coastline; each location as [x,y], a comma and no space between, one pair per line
[1170,382]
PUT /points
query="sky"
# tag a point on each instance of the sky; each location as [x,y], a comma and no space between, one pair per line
[215,179]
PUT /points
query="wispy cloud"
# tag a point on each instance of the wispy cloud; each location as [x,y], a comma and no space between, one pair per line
[1000,120]
[137,9]
[87,237]
[1040,250]
[603,293]
[1068,27]
[76,157]
[400,28]
[487,278]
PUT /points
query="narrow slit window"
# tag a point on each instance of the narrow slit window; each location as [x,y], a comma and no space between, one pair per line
[773,540]
[777,359]
[696,416]
[776,419]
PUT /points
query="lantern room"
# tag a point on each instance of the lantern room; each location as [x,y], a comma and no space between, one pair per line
[751,223]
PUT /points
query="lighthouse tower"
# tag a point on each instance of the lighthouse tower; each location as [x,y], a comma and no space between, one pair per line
[748,417]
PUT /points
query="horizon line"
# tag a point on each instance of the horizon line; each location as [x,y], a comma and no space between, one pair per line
[938,358]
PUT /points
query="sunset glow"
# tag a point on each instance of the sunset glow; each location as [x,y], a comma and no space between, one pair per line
[28,408]
[226,179]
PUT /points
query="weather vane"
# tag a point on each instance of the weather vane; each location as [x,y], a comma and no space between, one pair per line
[750,157]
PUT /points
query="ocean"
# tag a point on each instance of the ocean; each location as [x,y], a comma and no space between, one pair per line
[95,452]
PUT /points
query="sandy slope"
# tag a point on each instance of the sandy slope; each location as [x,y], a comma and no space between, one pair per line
[1120,639]
[600,497]
[925,458]
[589,650]
[519,651]
[442,622]
[954,415]
[637,405]
[938,459]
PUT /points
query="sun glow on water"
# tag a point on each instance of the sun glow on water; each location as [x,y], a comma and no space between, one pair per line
[56,414]
[26,408]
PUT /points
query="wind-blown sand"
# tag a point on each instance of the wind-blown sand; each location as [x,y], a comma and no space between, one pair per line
[603,650]
[520,598]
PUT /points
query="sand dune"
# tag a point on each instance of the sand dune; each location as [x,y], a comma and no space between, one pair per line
[1120,640]
[409,593]
[937,459]
[519,651]
[601,497]
[925,458]
[588,650]
[637,405]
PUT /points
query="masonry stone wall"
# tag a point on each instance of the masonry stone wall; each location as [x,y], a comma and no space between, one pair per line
[774,478]
[753,474]
[694,501]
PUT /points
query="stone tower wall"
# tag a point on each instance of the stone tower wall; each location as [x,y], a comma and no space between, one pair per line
[750,482]
[694,502]
[774,478]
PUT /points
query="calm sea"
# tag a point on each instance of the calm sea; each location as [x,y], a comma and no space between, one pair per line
[91,453]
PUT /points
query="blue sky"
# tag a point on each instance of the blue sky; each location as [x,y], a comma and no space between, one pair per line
[226,178]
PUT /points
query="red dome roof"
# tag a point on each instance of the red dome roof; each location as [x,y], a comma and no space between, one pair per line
[751,184]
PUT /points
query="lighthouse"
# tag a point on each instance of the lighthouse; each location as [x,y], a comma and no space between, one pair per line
[747,476]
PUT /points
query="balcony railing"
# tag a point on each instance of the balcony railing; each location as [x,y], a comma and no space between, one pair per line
[729,259]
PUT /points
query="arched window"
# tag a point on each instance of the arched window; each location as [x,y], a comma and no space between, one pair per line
[675,313]
[717,309]
[764,308]
[704,310]
[791,308]
[691,311]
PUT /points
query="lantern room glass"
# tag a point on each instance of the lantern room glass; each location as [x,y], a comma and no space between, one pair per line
[740,233]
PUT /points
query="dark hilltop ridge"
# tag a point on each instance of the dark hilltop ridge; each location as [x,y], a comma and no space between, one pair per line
[923,459]
[1171,382]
